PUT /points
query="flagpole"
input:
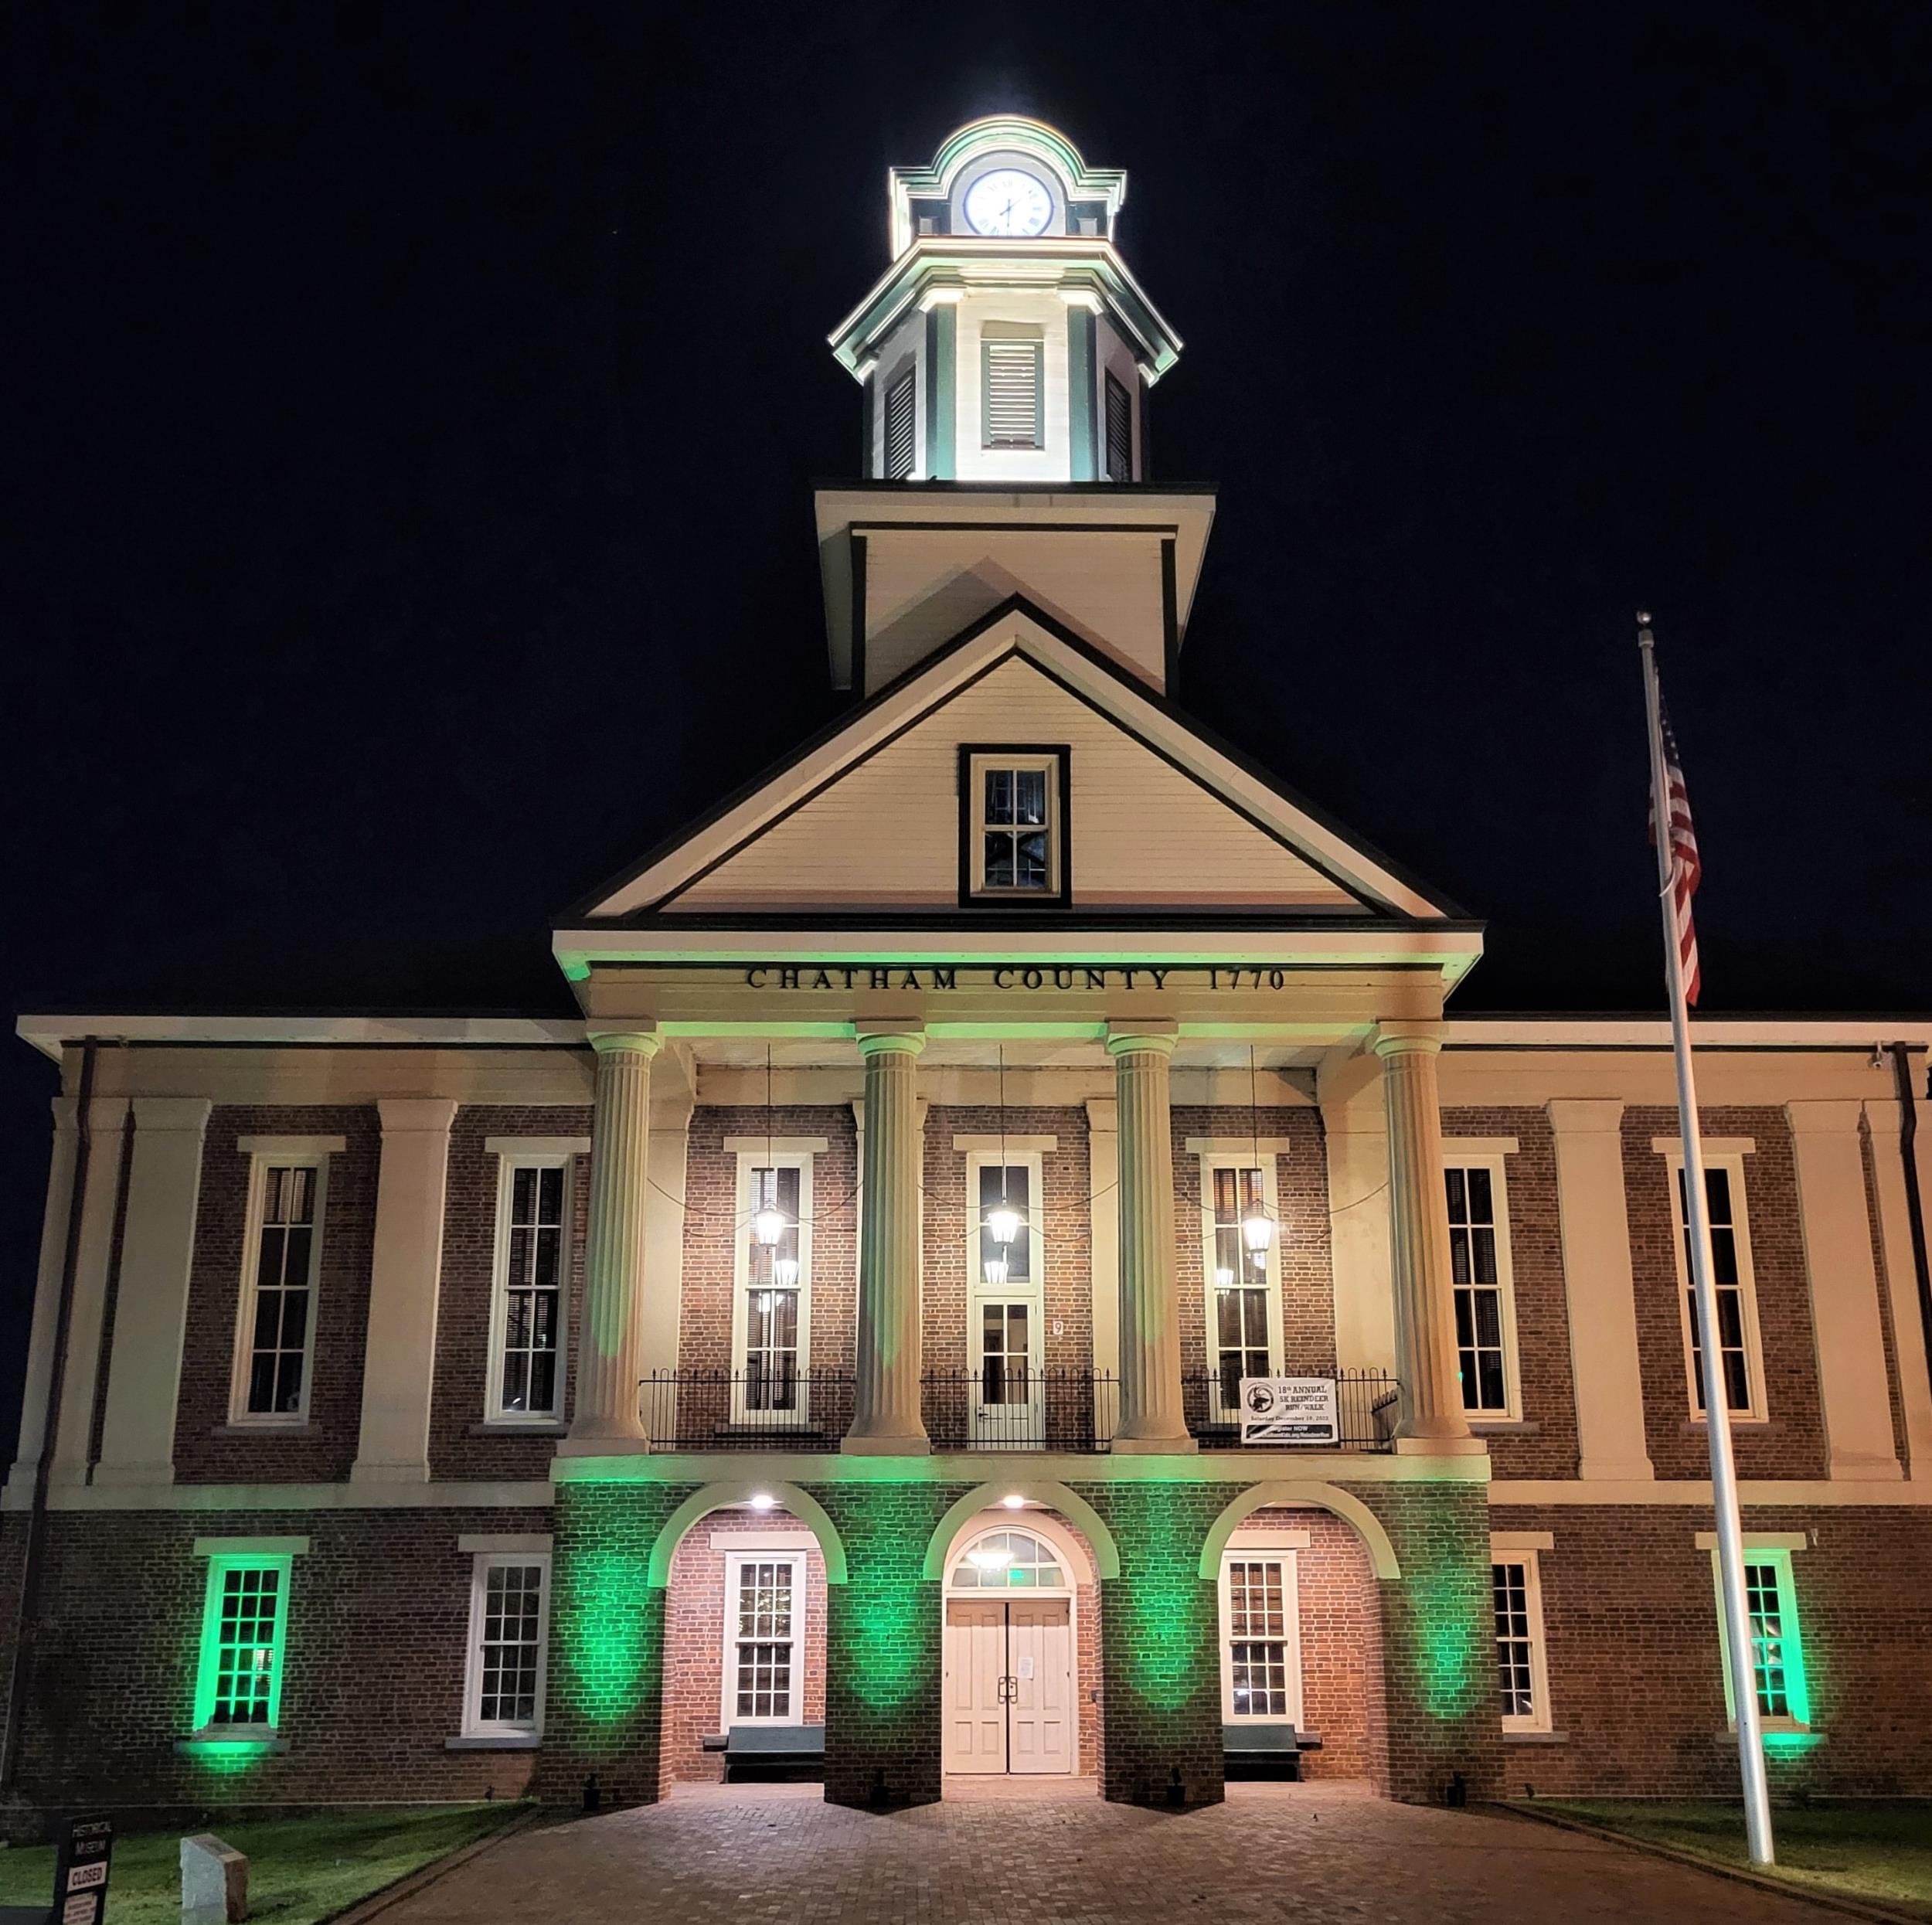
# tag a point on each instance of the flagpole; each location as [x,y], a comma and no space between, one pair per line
[1730,1531]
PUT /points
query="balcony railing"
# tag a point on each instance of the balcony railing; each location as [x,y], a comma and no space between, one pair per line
[1366,1404]
[998,1407]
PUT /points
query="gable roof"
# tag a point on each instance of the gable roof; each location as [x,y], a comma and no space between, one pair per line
[1359,882]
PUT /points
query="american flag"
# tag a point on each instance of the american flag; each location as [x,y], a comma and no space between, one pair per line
[1685,871]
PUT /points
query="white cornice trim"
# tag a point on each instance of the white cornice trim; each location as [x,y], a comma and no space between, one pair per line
[48,1033]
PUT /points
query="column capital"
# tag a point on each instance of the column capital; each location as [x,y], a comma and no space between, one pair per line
[190,1113]
[404,1115]
[1579,1115]
[1835,1116]
[1406,1039]
[903,1039]
[635,1042]
[107,1115]
[1142,1039]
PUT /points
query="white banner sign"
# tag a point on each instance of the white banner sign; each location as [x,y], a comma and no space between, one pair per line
[1288,1411]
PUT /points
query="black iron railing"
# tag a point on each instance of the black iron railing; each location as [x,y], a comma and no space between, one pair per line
[1366,1403]
[1004,1407]
[756,1409]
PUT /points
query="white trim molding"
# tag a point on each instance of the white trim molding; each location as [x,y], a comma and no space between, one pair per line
[295,1147]
[536,1146]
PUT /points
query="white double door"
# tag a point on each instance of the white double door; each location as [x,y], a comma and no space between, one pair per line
[1009,1684]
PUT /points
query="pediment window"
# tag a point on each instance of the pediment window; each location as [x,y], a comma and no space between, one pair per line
[1013,827]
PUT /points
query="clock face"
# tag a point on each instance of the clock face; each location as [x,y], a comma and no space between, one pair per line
[1007,202]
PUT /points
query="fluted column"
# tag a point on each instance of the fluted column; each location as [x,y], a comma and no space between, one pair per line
[1432,1414]
[885,1414]
[610,1349]
[1151,1416]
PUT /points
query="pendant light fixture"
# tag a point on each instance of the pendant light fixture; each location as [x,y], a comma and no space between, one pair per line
[1003,1222]
[768,1221]
[1257,1227]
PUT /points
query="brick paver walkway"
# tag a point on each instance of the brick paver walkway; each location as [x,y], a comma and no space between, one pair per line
[1276,1853]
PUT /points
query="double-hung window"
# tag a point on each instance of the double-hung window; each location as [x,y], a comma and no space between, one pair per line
[1479,1280]
[281,1269]
[1260,1628]
[764,1666]
[531,1286]
[509,1628]
[244,1636]
[1012,386]
[1770,1603]
[1515,1586]
[1739,1357]
[1013,833]
[771,1297]
[1244,1306]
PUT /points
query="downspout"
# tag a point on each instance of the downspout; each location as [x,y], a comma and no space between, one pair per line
[36,1513]
[1914,1205]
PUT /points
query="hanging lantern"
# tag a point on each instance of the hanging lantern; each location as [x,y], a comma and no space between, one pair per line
[994,1270]
[768,1226]
[1002,1223]
[1257,1229]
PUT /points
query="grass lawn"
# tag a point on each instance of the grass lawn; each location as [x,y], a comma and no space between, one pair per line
[299,1869]
[1870,1850]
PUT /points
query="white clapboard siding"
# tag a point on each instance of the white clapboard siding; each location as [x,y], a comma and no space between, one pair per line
[887,832]
[924,586]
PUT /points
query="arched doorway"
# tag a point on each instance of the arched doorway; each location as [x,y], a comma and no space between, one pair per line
[1011,1605]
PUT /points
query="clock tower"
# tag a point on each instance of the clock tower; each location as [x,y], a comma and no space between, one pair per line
[1007,341]
[1005,356]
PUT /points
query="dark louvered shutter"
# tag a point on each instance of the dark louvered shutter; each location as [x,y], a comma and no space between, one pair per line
[1120,432]
[1012,393]
[900,398]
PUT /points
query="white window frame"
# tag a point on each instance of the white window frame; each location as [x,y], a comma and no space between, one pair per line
[1522,1548]
[1285,1547]
[1728,1155]
[263,1156]
[1774,1548]
[1492,1154]
[1051,763]
[1241,1158]
[735,1562]
[474,1724]
[781,1153]
[508,1163]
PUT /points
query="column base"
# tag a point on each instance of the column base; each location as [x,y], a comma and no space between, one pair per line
[911,1444]
[1465,1446]
[149,1474]
[1860,1468]
[362,1472]
[1180,1447]
[1616,1471]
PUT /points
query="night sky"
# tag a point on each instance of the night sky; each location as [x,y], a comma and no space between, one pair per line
[411,416]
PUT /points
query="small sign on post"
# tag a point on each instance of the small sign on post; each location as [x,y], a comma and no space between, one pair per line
[80,1872]
[1288,1411]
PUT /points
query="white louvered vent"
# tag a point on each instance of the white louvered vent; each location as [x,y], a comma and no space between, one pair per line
[1013,394]
[898,427]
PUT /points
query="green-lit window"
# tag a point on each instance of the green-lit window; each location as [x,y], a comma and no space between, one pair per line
[1777,1653]
[238,1686]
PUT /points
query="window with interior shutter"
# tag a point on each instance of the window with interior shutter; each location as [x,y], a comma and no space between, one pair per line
[899,410]
[1013,380]
[1120,432]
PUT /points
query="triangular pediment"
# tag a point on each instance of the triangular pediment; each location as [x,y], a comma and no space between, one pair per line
[1162,819]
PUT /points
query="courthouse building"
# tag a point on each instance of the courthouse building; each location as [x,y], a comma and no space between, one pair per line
[847,1338]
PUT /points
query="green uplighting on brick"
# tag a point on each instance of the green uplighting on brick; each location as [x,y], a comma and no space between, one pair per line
[228,1756]
[1452,1661]
[603,1634]
[1163,1600]
[886,1611]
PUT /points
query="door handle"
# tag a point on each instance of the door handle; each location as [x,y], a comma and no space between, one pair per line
[1009,1690]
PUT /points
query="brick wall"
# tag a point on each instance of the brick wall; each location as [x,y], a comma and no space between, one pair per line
[695,1606]
[206,1449]
[884,1652]
[1546,1446]
[1630,1623]
[1343,1699]
[711,1229]
[378,1628]
[1791,1445]
[460,1446]
[1159,1634]
[1301,1184]
[1438,1631]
